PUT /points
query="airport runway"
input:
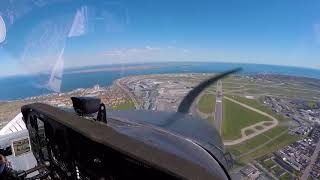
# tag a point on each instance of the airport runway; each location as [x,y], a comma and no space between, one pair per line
[218,107]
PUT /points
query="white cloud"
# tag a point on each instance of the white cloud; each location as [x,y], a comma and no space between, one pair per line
[131,52]
[185,50]
[152,48]
[147,53]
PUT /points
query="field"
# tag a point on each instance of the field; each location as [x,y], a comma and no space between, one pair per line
[251,102]
[277,170]
[206,103]
[258,104]
[262,144]
[285,176]
[249,131]
[236,117]
[258,127]
[292,88]
[267,123]
[124,106]
[274,145]
[237,150]
[268,163]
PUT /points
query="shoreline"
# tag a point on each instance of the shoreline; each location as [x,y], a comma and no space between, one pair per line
[258,75]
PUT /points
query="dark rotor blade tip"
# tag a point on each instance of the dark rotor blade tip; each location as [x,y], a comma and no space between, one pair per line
[234,70]
[190,97]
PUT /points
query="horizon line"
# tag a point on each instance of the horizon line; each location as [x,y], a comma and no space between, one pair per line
[156,62]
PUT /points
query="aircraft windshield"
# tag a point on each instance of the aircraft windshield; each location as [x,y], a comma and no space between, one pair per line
[148,55]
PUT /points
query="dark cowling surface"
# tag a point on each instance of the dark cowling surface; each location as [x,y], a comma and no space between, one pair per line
[154,145]
[195,129]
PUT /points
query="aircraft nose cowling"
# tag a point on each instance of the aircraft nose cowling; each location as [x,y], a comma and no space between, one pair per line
[195,129]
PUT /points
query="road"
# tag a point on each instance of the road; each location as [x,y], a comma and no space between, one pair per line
[218,107]
[314,156]
[136,104]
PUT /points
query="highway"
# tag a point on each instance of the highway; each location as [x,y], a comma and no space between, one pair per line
[118,83]
[218,107]
[313,158]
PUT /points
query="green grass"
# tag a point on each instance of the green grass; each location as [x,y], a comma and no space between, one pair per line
[265,157]
[249,131]
[267,123]
[268,163]
[312,104]
[251,102]
[258,127]
[275,131]
[270,147]
[285,176]
[258,104]
[207,103]
[274,145]
[236,117]
[125,106]
[278,170]
[247,145]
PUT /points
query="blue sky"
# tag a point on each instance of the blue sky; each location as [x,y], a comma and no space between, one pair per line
[285,32]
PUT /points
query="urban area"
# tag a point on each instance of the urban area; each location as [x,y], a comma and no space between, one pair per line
[279,138]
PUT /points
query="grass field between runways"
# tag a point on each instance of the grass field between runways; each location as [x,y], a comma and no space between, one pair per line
[236,117]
